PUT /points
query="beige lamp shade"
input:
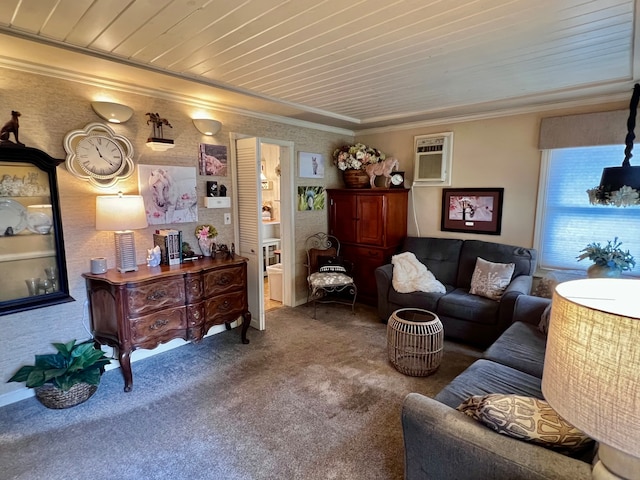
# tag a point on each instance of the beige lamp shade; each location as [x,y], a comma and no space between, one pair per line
[120,212]
[592,363]
[112,112]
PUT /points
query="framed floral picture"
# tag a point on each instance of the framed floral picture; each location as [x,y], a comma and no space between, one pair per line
[472,210]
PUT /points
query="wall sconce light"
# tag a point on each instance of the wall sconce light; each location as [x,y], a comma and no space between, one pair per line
[207,126]
[122,213]
[112,112]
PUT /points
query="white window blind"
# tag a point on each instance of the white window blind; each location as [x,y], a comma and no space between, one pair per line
[567,222]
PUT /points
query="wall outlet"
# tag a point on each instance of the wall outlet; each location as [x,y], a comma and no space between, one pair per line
[227,219]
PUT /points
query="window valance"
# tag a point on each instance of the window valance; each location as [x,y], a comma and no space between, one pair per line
[583,130]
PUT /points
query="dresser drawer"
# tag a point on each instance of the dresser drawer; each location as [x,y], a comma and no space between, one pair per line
[225,308]
[158,327]
[225,280]
[151,296]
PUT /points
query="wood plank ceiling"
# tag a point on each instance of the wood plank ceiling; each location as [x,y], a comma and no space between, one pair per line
[353,63]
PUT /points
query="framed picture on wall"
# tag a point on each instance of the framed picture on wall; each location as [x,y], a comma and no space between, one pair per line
[472,210]
[311,165]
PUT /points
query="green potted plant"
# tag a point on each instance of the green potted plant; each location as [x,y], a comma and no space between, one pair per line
[66,378]
[608,261]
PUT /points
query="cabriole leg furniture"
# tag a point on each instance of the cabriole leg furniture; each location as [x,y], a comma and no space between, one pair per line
[153,305]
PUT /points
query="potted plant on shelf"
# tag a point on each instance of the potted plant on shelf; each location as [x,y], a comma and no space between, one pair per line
[608,261]
[353,159]
[66,378]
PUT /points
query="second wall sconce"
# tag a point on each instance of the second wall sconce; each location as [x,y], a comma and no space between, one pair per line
[112,112]
[207,126]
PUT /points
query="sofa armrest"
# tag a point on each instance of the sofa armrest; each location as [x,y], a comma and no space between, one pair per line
[384,275]
[521,285]
[442,443]
[529,308]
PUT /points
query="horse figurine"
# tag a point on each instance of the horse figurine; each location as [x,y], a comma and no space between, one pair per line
[383,168]
[157,122]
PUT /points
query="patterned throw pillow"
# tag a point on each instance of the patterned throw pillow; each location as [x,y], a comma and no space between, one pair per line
[528,419]
[491,279]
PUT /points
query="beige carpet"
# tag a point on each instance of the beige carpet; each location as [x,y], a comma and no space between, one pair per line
[307,399]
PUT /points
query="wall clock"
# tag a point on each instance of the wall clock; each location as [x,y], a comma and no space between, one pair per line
[99,155]
[397,180]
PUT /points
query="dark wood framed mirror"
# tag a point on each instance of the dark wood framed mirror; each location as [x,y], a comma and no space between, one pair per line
[33,267]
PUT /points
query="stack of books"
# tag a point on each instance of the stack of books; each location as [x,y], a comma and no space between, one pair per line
[170,243]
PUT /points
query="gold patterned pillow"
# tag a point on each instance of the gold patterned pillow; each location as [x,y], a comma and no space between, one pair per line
[491,279]
[526,418]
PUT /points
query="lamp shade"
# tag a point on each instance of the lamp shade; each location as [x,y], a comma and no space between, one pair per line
[592,362]
[120,212]
[207,126]
[112,112]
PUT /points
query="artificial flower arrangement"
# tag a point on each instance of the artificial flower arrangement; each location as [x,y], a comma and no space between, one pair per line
[611,255]
[206,231]
[356,157]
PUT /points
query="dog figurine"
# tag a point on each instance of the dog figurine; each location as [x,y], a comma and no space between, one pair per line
[12,126]
[383,168]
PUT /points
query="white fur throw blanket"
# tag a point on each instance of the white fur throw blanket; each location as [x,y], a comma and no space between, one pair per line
[410,275]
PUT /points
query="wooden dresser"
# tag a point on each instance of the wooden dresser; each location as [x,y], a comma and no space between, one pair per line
[156,304]
[370,224]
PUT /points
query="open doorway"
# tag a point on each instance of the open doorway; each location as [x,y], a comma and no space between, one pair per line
[264,241]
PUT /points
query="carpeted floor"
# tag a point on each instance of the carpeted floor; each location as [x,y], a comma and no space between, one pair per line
[306,399]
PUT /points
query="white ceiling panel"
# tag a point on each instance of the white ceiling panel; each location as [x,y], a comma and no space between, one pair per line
[351,63]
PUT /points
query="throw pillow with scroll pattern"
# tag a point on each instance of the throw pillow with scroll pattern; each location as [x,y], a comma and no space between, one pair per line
[528,419]
[490,279]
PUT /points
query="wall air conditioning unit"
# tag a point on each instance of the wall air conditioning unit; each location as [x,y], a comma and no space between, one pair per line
[433,155]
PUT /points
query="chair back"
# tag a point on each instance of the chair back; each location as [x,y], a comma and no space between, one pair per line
[320,245]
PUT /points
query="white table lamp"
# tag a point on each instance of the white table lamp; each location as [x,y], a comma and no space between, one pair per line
[592,368]
[121,214]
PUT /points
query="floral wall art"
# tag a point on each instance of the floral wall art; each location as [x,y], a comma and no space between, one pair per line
[169,194]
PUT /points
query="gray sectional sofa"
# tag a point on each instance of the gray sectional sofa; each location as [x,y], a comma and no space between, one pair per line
[443,443]
[468,318]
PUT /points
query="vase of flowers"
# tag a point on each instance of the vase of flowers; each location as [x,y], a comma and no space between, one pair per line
[206,234]
[608,261]
[352,160]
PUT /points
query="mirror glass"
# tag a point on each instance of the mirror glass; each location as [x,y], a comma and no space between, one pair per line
[32,261]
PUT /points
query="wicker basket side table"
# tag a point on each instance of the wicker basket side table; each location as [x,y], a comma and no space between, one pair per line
[415,341]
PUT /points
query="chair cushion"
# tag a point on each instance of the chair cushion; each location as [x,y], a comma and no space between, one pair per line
[491,279]
[528,419]
[322,280]
[522,347]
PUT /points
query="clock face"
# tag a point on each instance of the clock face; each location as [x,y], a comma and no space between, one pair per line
[97,154]
[397,179]
[100,156]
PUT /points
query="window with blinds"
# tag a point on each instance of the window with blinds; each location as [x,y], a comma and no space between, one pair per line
[566,220]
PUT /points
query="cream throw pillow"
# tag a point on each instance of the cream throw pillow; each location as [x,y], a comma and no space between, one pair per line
[526,418]
[491,279]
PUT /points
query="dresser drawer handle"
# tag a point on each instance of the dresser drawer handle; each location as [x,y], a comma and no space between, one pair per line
[224,280]
[225,305]
[157,295]
[159,324]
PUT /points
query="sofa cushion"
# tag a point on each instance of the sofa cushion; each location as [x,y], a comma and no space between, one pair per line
[528,419]
[524,259]
[462,305]
[483,377]
[543,326]
[522,347]
[440,255]
[491,279]
[424,300]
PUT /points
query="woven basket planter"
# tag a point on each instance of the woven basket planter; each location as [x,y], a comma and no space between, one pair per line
[53,397]
[415,341]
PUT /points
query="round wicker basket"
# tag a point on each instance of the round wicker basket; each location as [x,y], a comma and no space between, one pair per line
[53,397]
[415,341]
